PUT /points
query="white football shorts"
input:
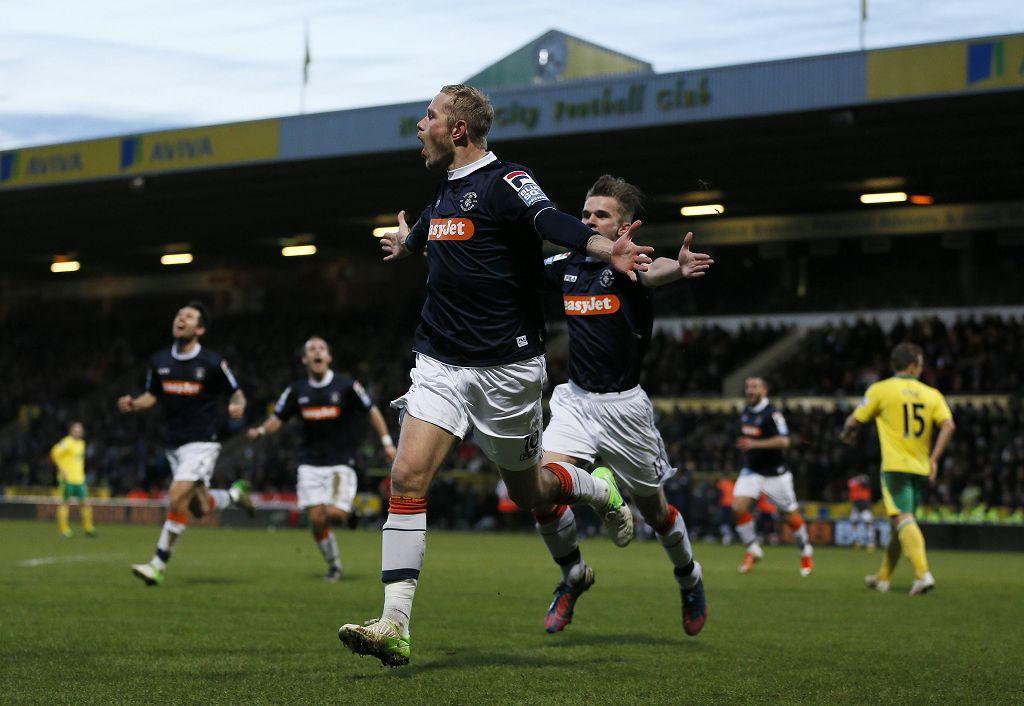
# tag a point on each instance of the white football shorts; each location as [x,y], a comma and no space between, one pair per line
[327,485]
[194,461]
[501,403]
[617,426]
[779,489]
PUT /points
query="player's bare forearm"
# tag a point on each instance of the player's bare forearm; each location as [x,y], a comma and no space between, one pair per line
[850,427]
[774,443]
[942,440]
[271,426]
[663,270]
[127,403]
[381,427]
[236,405]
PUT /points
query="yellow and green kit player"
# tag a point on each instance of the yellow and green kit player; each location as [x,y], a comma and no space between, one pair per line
[68,455]
[906,412]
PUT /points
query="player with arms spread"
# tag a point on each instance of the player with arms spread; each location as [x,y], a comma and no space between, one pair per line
[906,412]
[190,381]
[764,438]
[330,407]
[602,410]
[479,347]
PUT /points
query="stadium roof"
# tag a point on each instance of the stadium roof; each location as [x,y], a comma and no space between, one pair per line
[801,136]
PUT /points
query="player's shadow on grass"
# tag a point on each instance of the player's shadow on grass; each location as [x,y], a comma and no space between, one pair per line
[565,640]
[462,660]
[211,580]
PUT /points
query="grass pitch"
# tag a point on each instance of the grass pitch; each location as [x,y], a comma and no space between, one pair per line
[244,618]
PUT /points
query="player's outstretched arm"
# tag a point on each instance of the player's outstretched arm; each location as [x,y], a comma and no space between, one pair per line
[271,426]
[688,264]
[624,255]
[381,427]
[128,404]
[393,245]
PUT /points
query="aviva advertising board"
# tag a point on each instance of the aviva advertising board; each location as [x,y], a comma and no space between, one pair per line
[149,153]
[951,67]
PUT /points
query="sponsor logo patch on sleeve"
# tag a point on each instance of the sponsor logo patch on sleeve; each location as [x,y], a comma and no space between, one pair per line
[524,185]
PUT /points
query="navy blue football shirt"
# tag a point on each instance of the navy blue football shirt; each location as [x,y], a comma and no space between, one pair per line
[610,320]
[485,274]
[763,421]
[331,411]
[191,389]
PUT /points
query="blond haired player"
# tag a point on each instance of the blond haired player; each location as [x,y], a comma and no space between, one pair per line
[906,412]
[68,455]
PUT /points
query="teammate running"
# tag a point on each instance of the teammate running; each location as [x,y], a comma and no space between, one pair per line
[763,439]
[479,347]
[190,381]
[68,455]
[602,411]
[906,411]
[330,406]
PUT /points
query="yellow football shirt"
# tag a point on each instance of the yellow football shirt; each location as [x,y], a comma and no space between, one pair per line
[69,455]
[905,411]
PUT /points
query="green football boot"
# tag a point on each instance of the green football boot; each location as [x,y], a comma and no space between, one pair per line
[378,638]
[239,491]
[617,518]
[151,575]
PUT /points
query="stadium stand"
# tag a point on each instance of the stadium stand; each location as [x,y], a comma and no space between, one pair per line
[101,351]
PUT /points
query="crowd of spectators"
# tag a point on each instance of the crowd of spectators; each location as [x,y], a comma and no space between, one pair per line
[72,364]
[970,355]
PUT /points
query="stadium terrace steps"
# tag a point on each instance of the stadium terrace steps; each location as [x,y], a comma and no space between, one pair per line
[732,385]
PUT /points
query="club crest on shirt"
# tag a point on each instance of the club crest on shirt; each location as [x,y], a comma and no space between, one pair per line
[468,201]
[335,397]
[607,278]
[200,373]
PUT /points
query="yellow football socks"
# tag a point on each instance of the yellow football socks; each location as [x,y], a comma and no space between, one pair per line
[889,561]
[62,519]
[87,518]
[912,542]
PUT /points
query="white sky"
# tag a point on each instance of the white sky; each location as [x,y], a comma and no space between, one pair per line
[71,69]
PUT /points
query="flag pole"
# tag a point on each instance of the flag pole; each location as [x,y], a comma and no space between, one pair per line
[306,60]
[863,19]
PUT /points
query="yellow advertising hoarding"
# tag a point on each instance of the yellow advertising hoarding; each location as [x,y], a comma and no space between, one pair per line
[148,153]
[952,67]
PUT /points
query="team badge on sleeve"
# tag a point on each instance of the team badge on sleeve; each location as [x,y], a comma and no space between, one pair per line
[525,187]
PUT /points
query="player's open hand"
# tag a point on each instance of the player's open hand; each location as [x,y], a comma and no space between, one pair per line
[628,257]
[253,433]
[124,404]
[390,452]
[744,443]
[393,244]
[693,264]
